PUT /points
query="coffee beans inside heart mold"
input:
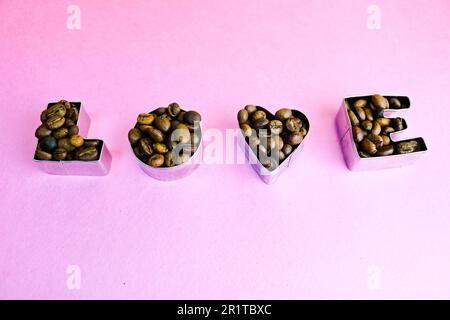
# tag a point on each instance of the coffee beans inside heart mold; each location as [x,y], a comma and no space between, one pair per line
[166,137]
[58,138]
[371,130]
[271,137]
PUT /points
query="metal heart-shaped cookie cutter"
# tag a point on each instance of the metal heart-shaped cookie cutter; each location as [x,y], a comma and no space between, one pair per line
[266,175]
[98,167]
[352,159]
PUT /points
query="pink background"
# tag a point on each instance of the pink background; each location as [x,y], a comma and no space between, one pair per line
[222,233]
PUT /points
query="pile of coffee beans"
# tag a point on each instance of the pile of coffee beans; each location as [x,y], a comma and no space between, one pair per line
[371,131]
[166,137]
[272,138]
[58,135]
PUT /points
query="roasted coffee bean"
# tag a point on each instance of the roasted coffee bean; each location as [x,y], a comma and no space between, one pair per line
[72,114]
[137,151]
[376,128]
[162,124]
[56,110]
[91,143]
[42,132]
[87,154]
[180,117]
[295,139]
[60,133]
[376,139]
[59,154]
[65,144]
[287,149]
[160,111]
[377,113]
[363,154]
[168,160]
[192,117]
[379,102]
[174,109]
[55,122]
[353,118]
[44,116]
[358,134]
[397,124]
[387,130]
[395,103]
[76,140]
[360,113]
[69,123]
[73,130]
[367,125]
[145,145]
[384,122]
[260,123]
[250,108]
[42,155]
[156,160]
[242,116]
[160,148]
[369,114]
[156,135]
[385,151]
[145,119]
[303,131]
[368,146]
[283,114]
[48,144]
[386,140]
[407,147]
[247,131]
[134,135]
[292,124]
[276,126]
[258,115]
[360,103]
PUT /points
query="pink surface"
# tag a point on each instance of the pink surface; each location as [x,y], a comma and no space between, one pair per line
[222,233]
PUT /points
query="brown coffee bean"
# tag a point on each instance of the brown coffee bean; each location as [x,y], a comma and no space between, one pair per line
[385,151]
[162,124]
[156,135]
[173,109]
[295,139]
[387,130]
[87,154]
[397,124]
[287,149]
[360,113]
[42,155]
[367,125]
[42,132]
[134,135]
[55,122]
[156,160]
[137,151]
[160,111]
[353,118]
[363,154]
[384,122]
[358,134]
[379,102]
[145,118]
[192,117]
[56,110]
[260,123]
[369,114]
[292,124]
[376,139]
[376,129]
[65,144]
[303,131]
[69,122]
[258,115]
[386,140]
[91,143]
[395,103]
[60,133]
[250,108]
[181,116]
[283,114]
[361,103]
[407,147]
[59,154]
[44,116]
[76,140]
[368,146]
[72,114]
[242,116]
[276,126]
[160,148]
[145,145]
[73,130]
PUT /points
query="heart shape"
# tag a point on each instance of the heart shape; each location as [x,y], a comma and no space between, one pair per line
[166,141]
[270,140]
